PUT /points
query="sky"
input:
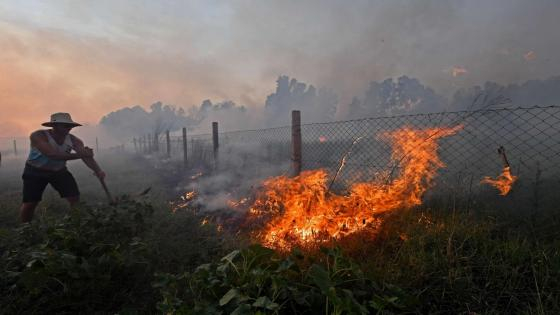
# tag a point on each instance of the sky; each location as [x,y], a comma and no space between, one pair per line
[93,57]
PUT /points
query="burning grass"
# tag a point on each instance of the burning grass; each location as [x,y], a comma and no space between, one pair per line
[302,210]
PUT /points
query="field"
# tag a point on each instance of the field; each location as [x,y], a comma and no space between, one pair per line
[145,255]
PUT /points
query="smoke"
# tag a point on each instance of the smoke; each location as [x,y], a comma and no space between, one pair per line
[315,105]
[133,121]
[229,115]
[92,59]
[529,93]
[403,96]
[240,169]
[345,45]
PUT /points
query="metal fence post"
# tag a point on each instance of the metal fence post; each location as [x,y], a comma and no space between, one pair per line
[215,142]
[296,142]
[185,147]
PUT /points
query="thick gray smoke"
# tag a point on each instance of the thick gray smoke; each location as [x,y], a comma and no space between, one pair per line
[403,95]
[132,121]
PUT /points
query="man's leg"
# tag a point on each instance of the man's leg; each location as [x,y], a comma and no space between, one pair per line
[26,211]
[33,187]
[66,186]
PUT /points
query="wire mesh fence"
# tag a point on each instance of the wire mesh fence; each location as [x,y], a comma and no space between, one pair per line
[530,136]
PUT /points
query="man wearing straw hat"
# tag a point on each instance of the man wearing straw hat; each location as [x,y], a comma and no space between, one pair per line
[46,164]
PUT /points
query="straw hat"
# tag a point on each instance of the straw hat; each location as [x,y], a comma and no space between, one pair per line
[60,118]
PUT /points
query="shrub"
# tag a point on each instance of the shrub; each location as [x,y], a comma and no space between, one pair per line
[256,280]
[91,259]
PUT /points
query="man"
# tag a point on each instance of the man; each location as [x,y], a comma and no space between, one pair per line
[46,164]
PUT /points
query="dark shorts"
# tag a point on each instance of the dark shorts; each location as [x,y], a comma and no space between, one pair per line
[35,181]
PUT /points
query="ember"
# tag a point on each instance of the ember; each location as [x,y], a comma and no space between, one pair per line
[237,203]
[302,210]
[184,201]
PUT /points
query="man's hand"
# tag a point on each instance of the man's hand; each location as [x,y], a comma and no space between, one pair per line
[100,174]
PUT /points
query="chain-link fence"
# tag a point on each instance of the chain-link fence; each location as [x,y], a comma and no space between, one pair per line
[530,136]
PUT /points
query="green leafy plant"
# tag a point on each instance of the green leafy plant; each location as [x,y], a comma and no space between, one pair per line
[91,259]
[257,280]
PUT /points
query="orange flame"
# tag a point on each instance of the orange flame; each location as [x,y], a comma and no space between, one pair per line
[503,182]
[302,210]
[237,203]
[184,201]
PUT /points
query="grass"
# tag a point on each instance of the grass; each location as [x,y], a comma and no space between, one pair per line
[490,257]
[468,263]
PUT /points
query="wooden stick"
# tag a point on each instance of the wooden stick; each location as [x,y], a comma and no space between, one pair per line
[107,193]
[502,153]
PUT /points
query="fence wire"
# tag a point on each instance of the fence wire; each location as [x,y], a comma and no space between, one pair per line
[530,136]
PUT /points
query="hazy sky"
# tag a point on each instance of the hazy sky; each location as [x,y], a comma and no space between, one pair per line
[92,57]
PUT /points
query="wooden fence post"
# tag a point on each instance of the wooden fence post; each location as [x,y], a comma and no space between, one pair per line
[296,142]
[149,141]
[168,143]
[15,148]
[185,161]
[135,145]
[96,145]
[215,142]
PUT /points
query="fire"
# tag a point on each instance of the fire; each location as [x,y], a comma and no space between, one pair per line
[189,195]
[457,71]
[302,210]
[237,203]
[503,182]
[184,201]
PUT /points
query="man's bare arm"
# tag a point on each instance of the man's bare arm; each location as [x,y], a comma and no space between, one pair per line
[89,161]
[41,143]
